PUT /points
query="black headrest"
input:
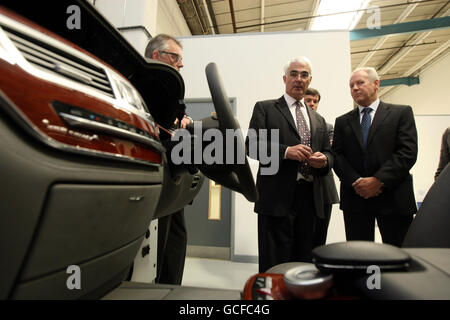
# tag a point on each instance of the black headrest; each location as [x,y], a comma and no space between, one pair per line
[430,228]
[357,256]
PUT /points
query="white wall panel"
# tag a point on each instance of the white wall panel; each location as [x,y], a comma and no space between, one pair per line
[157,16]
[113,10]
[430,101]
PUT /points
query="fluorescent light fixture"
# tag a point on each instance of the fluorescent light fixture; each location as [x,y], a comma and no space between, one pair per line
[333,19]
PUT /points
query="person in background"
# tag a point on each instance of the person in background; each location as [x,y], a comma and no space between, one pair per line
[375,147]
[445,153]
[330,195]
[312,98]
[172,235]
[169,50]
[289,200]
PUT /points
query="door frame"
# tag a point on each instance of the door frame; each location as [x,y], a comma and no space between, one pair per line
[233,104]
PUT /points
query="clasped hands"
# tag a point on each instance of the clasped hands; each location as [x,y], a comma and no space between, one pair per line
[301,152]
[368,187]
[184,122]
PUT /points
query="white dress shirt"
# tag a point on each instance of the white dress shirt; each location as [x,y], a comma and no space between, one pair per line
[374,107]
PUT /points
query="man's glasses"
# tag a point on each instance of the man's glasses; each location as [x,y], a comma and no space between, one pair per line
[303,74]
[177,57]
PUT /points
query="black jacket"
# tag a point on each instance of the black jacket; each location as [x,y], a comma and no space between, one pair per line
[276,192]
[391,153]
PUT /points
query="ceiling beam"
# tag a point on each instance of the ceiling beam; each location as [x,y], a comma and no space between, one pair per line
[233,19]
[409,81]
[314,8]
[199,18]
[326,15]
[401,28]
[381,41]
[396,47]
[430,57]
[418,67]
[211,17]
[401,53]
[263,6]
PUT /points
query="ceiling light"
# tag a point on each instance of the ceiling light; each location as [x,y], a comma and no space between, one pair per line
[339,15]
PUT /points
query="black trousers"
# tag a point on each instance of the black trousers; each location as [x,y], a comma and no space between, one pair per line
[290,238]
[321,229]
[172,242]
[361,226]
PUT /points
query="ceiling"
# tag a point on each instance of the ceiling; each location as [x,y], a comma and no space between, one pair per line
[413,40]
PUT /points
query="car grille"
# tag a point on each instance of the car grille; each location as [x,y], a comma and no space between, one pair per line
[51,59]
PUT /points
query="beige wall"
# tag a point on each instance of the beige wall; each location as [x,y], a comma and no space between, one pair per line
[432,95]
[430,101]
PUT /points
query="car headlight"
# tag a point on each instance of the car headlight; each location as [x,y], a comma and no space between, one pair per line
[127,93]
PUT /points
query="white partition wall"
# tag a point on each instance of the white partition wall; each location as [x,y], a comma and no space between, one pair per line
[430,129]
[430,102]
[133,17]
[251,67]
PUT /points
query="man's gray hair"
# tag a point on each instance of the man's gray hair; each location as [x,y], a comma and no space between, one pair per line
[371,73]
[303,60]
[159,43]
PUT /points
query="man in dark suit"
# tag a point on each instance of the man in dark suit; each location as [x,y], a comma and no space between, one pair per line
[330,195]
[375,146]
[291,199]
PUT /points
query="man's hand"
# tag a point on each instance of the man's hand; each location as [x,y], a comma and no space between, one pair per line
[317,160]
[185,121]
[298,152]
[368,187]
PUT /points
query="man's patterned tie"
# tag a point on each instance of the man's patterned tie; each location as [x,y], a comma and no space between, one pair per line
[305,136]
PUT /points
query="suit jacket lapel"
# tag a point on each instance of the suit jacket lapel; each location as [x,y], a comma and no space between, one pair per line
[284,109]
[355,124]
[381,114]
[313,128]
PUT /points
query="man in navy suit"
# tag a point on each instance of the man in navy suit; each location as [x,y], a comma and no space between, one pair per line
[375,146]
[291,199]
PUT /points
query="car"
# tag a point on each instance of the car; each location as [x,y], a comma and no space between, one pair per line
[86,162]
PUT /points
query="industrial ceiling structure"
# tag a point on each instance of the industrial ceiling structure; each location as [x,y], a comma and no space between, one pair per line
[399,38]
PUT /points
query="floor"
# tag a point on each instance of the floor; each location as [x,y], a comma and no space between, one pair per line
[225,274]
[212,273]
